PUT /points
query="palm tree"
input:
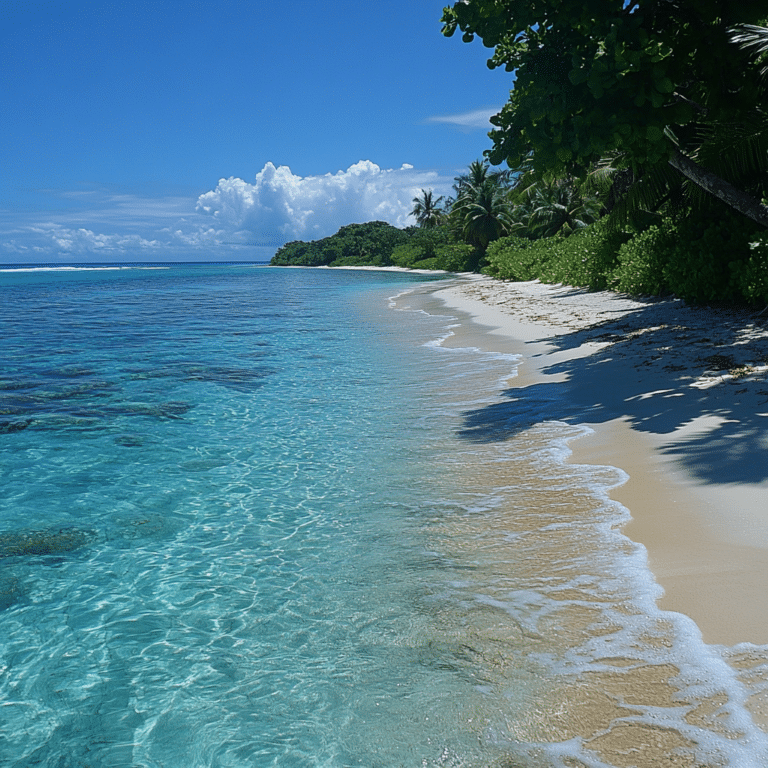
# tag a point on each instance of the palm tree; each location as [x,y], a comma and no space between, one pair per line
[733,155]
[427,210]
[479,173]
[560,208]
[482,212]
[543,207]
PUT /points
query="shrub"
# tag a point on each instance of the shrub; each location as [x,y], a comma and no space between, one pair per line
[707,260]
[750,275]
[587,258]
[458,257]
[717,258]
[641,261]
[426,264]
[517,258]
[406,255]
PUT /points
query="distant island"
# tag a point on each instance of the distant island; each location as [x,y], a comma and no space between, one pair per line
[378,244]
[580,232]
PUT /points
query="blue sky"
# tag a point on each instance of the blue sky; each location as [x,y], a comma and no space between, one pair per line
[220,130]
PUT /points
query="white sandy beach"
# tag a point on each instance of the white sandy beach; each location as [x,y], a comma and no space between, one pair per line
[648,609]
[678,398]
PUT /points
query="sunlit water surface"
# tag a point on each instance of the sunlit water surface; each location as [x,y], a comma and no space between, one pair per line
[246,521]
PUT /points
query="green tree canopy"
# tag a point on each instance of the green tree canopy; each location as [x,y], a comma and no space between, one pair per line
[645,78]
[370,243]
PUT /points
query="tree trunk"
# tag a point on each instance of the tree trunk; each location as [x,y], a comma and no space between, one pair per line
[721,189]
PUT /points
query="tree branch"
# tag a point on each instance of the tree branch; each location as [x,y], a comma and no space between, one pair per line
[679,97]
[738,199]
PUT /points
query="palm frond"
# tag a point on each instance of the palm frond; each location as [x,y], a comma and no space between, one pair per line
[750,37]
[427,210]
[600,179]
[738,151]
[753,39]
[647,193]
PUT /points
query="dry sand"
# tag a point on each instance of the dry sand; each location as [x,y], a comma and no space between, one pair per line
[678,398]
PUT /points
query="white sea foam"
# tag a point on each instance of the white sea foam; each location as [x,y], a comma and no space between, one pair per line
[382,556]
[68,268]
[585,595]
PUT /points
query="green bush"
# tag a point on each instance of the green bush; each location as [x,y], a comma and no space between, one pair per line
[356,261]
[750,275]
[586,259]
[702,258]
[407,255]
[426,264]
[642,259]
[707,260]
[458,257]
[517,258]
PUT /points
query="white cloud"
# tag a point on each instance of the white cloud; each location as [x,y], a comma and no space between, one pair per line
[477,118]
[280,206]
[84,241]
[196,237]
[237,219]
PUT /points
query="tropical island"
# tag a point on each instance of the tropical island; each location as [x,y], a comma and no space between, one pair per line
[636,142]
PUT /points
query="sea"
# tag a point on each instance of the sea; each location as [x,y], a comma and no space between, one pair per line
[255,516]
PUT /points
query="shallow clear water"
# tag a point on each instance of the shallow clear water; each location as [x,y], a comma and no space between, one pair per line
[248,519]
[214,484]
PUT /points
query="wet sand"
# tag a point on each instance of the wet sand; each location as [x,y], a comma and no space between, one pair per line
[677,398]
[625,573]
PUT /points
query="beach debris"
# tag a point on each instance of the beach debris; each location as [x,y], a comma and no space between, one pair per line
[740,371]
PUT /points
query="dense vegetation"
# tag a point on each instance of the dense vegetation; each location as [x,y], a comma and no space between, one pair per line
[378,244]
[636,140]
[652,84]
[515,228]
[716,259]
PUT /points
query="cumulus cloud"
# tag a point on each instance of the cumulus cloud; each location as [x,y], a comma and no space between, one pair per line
[280,206]
[85,241]
[477,118]
[237,219]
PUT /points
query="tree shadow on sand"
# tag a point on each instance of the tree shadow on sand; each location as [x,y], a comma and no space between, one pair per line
[661,367]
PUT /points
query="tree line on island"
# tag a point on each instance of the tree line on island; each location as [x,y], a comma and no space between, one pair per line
[636,145]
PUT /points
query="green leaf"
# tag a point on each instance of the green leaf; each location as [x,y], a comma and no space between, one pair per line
[578,76]
[597,89]
[654,133]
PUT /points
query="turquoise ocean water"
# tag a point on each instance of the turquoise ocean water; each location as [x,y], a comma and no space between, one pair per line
[246,520]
